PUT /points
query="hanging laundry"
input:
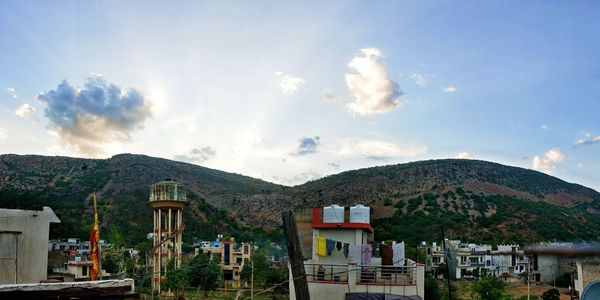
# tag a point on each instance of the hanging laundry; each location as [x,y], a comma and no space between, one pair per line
[354,254]
[346,249]
[398,254]
[376,249]
[321,248]
[366,254]
[386,255]
[338,246]
[330,244]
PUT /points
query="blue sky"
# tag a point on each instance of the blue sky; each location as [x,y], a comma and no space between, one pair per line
[290,92]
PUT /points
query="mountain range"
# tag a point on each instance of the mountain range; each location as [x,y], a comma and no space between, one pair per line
[475,200]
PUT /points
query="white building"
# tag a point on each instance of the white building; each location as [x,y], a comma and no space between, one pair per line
[24,244]
[334,276]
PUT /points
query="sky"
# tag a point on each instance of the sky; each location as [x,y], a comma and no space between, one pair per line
[294,91]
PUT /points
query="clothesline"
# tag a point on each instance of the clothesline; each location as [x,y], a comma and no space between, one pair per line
[392,255]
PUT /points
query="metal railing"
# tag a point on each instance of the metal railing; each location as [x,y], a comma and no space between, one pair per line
[327,272]
[370,275]
[387,275]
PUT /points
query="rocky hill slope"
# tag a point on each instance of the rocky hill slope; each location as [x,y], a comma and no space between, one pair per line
[475,200]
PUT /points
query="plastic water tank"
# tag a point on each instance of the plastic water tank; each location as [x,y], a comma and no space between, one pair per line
[333,214]
[359,214]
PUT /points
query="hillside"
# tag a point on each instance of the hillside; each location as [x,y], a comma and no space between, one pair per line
[475,200]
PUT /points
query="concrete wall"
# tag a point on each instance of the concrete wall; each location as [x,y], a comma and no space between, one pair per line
[337,291]
[588,271]
[24,240]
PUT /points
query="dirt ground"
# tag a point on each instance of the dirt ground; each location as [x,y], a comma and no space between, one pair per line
[519,289]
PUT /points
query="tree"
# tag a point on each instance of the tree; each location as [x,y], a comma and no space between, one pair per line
[489,288]
[261,269]
[204,272]
[432,290]
[551,294]
[115,237]
[176,281]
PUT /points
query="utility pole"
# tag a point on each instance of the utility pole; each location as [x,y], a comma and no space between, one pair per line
[252,281]
[447,259]
[295,255]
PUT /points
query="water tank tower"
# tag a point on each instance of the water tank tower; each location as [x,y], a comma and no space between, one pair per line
[167,199]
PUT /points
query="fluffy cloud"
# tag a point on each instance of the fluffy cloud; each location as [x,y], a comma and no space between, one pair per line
[197,155]
[588,140]
[420,79]
[306,145]
[25,110]
[373,91]
[288,83]
[12,92]
[98,113]
[548,163]
[544,127]
[378,150]
[464,155]
[450,89]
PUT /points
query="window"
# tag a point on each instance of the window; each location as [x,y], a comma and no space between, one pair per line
[84,271]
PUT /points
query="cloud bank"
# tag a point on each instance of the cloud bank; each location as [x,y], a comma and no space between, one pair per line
[548,163]
[96,114]
[368,82]
[464,155]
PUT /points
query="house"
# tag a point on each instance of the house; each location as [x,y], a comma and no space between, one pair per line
[231,257]
[508,260]
[24,244]
[336,276]
[467,259]
[588,276]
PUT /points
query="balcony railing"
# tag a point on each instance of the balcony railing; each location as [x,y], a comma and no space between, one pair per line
[368,275]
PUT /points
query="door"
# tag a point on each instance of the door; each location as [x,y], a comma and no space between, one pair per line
[8,257]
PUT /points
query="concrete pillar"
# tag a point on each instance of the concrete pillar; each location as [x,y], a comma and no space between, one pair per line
[352,269]
[170,234]
[420,281]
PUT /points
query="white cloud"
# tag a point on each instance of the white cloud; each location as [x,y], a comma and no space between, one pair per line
[420,79]
[450,89]
[369,84]
[464,155]
[548,163]
[377,150]
[288,83]
[580,165]
[545,126]
[2,135]
[25,110]
[588,140]
[12,92]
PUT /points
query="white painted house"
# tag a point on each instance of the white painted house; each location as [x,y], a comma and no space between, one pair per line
[334,276]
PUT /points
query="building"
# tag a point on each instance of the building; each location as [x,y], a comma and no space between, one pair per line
[466,259]
[24,244]
[337,276]
[588,277]
[507,260]
[231,256]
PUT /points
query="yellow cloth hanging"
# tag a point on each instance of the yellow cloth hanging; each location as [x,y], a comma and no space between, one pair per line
[321,246]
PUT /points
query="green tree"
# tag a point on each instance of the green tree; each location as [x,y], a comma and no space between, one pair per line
[204,272]
[115,237]
[176,282]
[261,269]
[489,288]
[432,290]
[551,294]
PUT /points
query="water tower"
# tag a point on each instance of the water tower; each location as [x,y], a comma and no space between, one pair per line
[167,199]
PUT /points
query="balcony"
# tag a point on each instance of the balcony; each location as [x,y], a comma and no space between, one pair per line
[361,275]
[167,191]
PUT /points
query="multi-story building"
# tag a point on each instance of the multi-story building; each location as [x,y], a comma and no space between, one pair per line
[507,260]
[231,257]
[338,275]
